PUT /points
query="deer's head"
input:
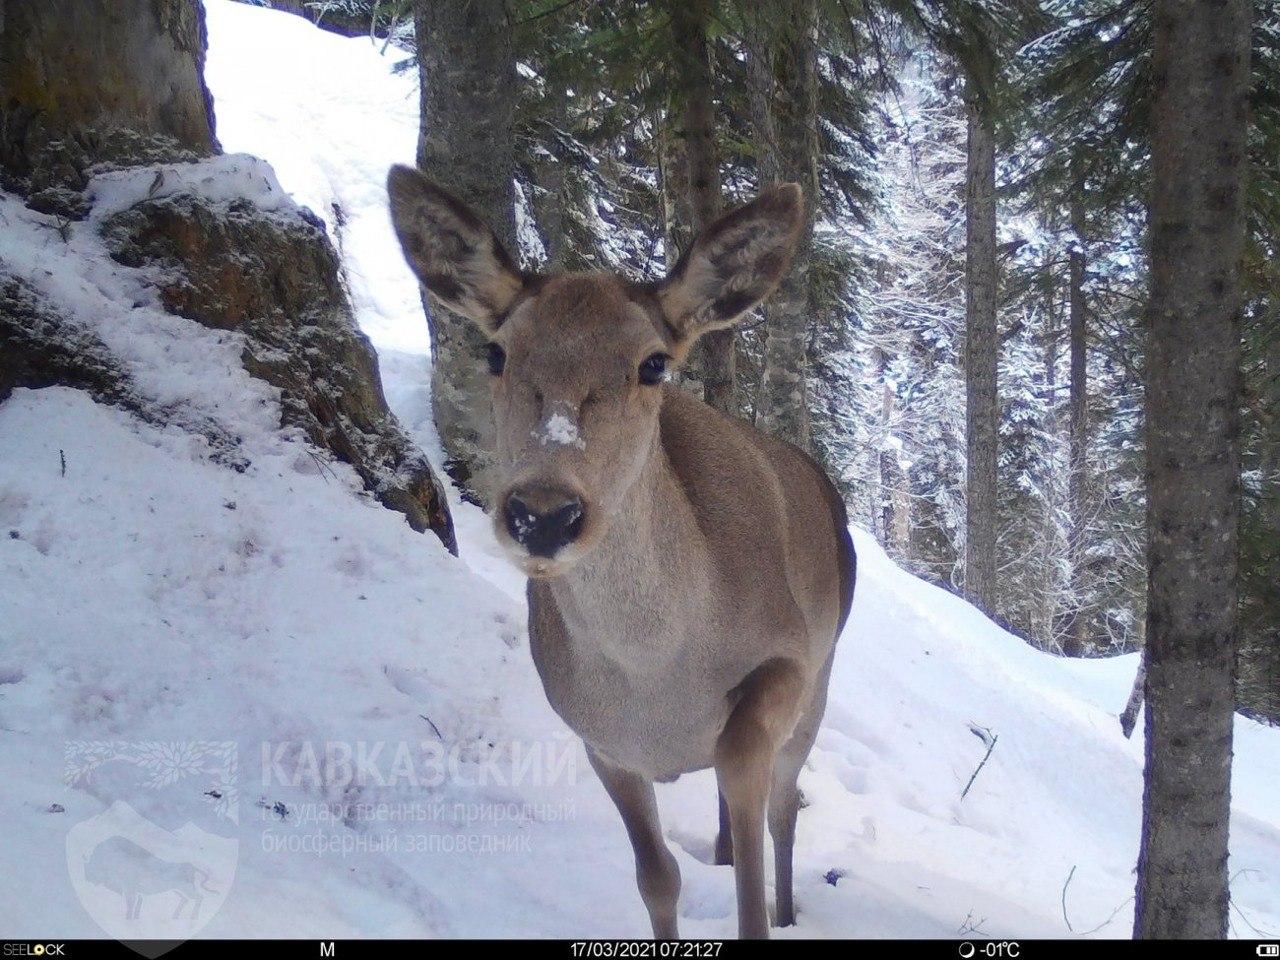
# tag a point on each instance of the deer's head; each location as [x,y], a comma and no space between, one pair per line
[579,361]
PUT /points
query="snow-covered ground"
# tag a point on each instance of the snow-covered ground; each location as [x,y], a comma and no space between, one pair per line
[395,769]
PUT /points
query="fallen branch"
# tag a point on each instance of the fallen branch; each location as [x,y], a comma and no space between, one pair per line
[1065,918]
[433,725]
[990,739]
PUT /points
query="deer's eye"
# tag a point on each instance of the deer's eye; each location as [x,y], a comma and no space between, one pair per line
[497,358]
[654,369]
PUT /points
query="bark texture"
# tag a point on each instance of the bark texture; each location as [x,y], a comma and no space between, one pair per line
[551,198]
[1050,542]
[696,130]
[895,499]
[1075,638]
[783,65]
[1201,73]
[981,350]
[85,83]
[468,89]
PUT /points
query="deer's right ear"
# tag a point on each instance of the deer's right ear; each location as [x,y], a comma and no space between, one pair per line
[459,260]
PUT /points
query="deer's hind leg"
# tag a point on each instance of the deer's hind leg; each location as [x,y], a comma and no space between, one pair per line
[784,798]
[724,835]
[657,873]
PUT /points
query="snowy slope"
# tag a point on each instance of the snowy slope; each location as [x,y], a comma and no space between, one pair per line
[150,596]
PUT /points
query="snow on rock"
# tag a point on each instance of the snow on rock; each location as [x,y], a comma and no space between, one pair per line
[151,596]
[217,241]
[219,180]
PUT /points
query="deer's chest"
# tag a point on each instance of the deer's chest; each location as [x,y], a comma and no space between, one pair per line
[656,709]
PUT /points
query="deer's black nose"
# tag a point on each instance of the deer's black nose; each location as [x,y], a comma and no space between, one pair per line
[543,520]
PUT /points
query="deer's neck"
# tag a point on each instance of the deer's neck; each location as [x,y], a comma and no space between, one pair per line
[639,593]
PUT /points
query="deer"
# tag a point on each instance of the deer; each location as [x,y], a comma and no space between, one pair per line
[688,574]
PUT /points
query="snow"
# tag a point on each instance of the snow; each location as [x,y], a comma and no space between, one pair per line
[336,118]
[176,362]
[560,430]
[397,771]
[220,180]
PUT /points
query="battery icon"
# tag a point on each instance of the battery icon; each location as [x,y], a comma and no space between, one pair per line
[1269,949]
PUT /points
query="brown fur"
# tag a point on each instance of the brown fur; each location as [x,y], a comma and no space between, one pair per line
[692,622]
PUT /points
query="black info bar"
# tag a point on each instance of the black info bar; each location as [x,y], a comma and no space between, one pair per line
[628,949]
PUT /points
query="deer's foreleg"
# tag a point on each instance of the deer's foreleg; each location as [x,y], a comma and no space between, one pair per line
[657,873]
[763,719]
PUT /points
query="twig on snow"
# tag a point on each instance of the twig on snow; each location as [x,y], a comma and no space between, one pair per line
[990,739]
[971,925]
[433,726]
[1124,903]
[1065,918]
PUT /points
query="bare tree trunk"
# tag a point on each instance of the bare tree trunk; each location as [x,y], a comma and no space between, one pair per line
[1201,70]
[894,498]
[1050,543]
[783,70]
[87,82]
[552,197]
[1051,334]
[1074,642]
[690,20]
[468,93]
[677,214]
[982,349]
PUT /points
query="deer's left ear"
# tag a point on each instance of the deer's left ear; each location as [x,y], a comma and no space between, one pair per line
[734,264]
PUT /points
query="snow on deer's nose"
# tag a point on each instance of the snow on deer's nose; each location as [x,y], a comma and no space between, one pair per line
[560,427]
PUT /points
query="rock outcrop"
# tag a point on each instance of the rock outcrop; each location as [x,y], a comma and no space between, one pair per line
[254,264]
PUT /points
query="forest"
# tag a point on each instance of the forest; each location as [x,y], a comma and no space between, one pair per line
[1031,332]
[963,342]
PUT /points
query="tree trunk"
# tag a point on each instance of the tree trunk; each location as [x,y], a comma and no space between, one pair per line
[783,65]
[895,503]
[82,83]
[550,200]
[1074,643]
[1051,340]
[982,349]
[468,94]
[1201,70]
[677,212]
[1050,542]
[1129,715]
[689,22]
